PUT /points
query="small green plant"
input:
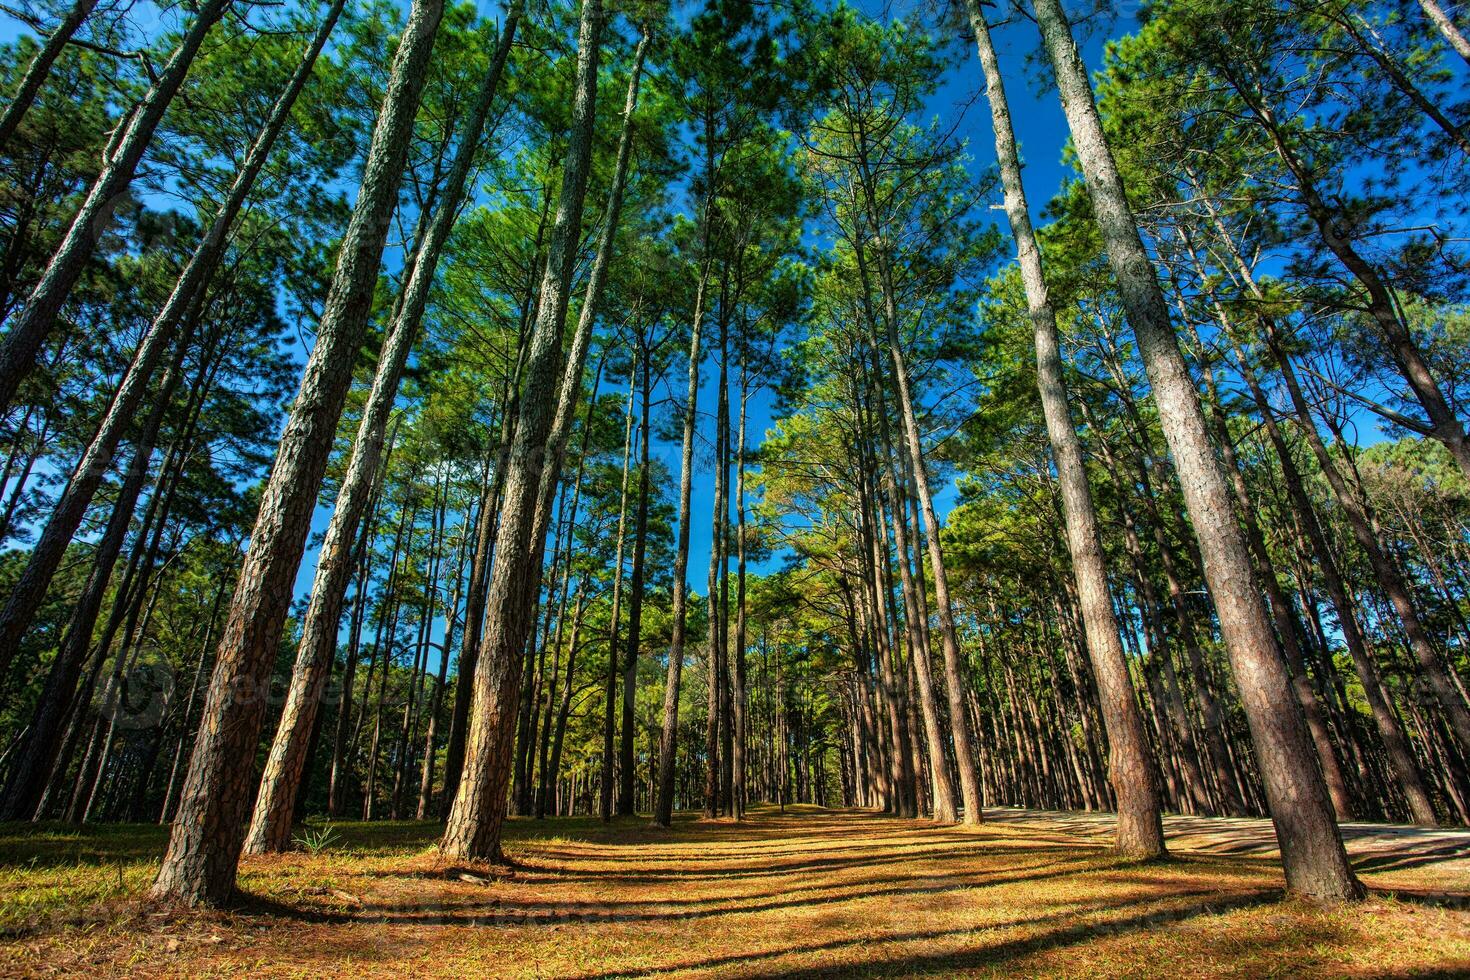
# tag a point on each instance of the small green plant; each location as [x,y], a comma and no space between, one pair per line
[316,841]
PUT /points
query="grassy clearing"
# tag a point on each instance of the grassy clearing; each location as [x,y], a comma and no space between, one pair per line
[807,893]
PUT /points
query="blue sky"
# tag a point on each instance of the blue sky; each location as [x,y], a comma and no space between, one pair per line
[1040,127]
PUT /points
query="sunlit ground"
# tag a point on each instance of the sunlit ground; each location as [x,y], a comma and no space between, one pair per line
[805,893]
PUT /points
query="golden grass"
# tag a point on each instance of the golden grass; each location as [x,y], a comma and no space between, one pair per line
[807,893]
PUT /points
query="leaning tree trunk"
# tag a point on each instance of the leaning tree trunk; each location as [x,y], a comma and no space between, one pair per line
[1401,755]
[1287,627]
[576,361]
[478,812]
[1311,847]
[1334,227]
[84,618]
[38,744]
[199,866]
[551,770]
[120,161]
[40,67]
[1130,759]
[1447,28]
[270,829]
[188,293]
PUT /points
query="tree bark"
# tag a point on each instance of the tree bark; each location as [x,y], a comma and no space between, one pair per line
[270,828]
[199,866]
[1447,28]
[1311,847]
[40,67]
[35,322]
[478,812]
[1140,832]
[183,305]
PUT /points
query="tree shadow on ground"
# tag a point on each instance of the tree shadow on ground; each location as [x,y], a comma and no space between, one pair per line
[497,910]
[876,964]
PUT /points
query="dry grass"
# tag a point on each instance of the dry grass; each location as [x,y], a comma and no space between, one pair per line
[807,893]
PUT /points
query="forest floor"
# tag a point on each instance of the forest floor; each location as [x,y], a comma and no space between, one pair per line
[805,893]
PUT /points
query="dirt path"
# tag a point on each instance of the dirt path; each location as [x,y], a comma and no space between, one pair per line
[806,893]
[1373,846]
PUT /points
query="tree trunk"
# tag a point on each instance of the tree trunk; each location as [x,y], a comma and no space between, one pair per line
[895,702]
[627,757]
[478,812]
[40,67]
[165,815]
[474,621]
[738,755]
[915,619]
[1287,627]
[663,815]
[42,310]
[1311,847]
[270,828]
[199,866]
[609,760]
[1447,28]
[1401,755]
[551,770]
[545,796]
[715,668]
[1140,832]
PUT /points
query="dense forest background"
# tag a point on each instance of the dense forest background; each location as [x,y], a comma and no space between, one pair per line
[615,409]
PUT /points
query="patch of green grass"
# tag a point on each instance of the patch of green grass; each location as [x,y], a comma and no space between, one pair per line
[39,844]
